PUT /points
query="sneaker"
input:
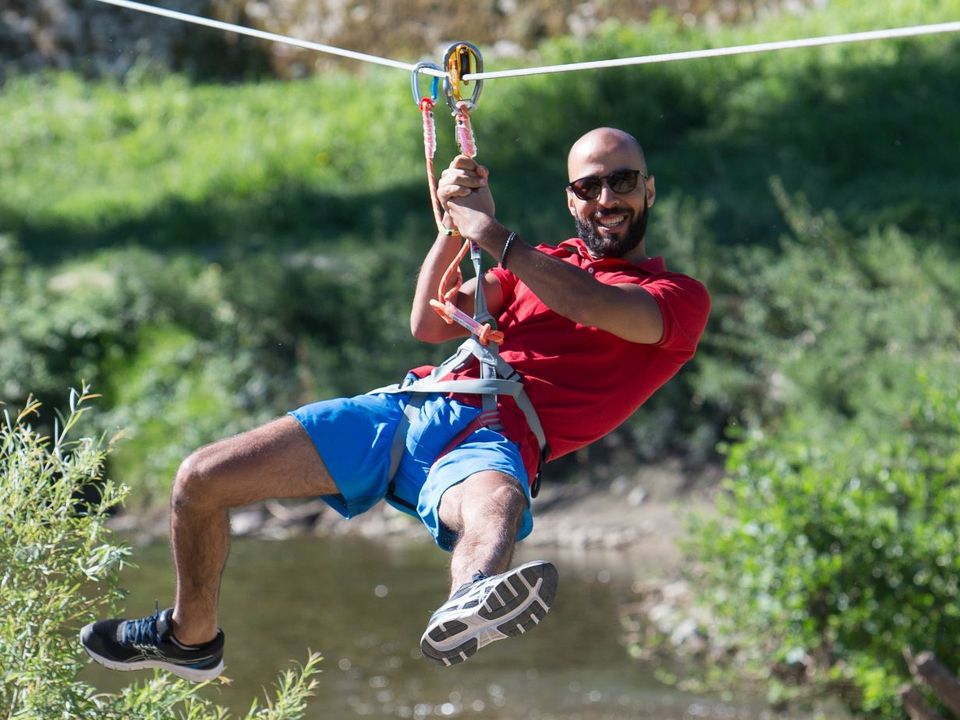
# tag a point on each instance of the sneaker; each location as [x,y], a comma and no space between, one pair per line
[149,643]
[488,609]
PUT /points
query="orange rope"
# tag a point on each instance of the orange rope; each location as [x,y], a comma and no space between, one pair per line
[429,147]
[452,279]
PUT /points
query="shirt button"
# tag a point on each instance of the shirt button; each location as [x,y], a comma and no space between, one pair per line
[590,270]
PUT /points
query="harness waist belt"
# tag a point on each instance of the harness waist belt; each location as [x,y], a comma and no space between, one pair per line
[509,383]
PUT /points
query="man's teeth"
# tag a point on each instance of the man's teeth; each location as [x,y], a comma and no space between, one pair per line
[612,221]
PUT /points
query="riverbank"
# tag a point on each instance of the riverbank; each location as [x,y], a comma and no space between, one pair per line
[640,512]
[627,529]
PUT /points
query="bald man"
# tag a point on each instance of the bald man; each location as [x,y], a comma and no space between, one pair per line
[592,327]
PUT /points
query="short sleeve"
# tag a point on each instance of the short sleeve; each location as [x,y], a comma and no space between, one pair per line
[508,281]
[684,305]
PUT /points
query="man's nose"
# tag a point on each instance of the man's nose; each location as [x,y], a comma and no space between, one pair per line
[607,196]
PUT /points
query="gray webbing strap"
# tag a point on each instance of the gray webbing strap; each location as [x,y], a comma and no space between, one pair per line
[473,386]
[488,359]
[480,312]
[468,386]
[410,412]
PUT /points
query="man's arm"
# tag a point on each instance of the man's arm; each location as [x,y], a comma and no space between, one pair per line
[464,177]
[625,310]
[425,323]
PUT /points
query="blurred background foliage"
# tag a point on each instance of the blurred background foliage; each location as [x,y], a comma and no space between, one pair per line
[209,254]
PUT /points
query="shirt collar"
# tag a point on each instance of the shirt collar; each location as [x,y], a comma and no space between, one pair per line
[576,246]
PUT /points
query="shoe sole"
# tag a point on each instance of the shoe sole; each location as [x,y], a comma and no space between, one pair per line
[516,604]
[187,673]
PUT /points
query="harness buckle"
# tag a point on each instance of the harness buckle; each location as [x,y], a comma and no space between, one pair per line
[535,488]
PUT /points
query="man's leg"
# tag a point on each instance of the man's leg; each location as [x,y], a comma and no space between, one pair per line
[277,460]
[487,602]
[485,511]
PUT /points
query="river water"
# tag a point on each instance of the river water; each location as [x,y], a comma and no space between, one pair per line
[363,605]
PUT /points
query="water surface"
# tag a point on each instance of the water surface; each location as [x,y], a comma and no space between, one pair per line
[364,605]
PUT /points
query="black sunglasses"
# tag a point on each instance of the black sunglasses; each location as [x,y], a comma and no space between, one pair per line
[620,181]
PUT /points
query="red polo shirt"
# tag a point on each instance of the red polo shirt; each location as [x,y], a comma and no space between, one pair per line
[584,382]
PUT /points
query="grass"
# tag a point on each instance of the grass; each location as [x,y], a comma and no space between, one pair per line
[211,168]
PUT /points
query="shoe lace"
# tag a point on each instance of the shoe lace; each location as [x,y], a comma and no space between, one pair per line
[143,631]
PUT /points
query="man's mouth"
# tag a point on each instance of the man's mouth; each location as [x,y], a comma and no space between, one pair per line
[612,221]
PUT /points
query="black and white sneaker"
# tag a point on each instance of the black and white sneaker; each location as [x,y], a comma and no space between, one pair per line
[149,643]
[489,609]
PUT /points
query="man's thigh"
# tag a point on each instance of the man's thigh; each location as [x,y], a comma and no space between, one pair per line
[276,460]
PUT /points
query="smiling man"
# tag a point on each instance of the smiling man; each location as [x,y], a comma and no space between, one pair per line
[592,327]
[613,227]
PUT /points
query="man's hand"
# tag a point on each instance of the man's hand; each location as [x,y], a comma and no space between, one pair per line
[465,183]
[465,194]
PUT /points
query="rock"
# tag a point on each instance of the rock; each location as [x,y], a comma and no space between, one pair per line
[684,632]
[247,521]
[636,496]
[95,39]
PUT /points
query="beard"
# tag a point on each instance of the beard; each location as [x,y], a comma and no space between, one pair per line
[616,246]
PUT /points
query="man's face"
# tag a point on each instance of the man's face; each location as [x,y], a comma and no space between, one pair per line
[614,222]
[612,231]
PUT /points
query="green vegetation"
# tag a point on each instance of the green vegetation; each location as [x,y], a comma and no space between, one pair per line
[259,241]
[838,548]
[60,571]
[209,256]
[837,540]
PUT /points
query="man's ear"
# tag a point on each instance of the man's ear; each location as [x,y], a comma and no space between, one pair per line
[651,184]
[571,206]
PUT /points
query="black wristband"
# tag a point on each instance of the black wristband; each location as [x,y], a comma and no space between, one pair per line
[506,249]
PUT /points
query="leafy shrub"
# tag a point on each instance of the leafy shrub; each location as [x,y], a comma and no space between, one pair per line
[60,571]
[837,544]
[836,541]
[829,322]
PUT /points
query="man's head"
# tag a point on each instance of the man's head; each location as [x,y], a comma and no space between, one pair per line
[609,209]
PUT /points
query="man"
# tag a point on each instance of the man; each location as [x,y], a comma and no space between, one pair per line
[593,326]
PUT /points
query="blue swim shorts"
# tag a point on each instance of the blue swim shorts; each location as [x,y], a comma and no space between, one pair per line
[354,437]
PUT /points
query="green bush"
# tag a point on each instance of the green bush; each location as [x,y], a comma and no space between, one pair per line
[60,570]
[835,545]
[827,322]
[838,545]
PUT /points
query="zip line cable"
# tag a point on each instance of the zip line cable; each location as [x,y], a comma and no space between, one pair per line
[914,31]
[720,52]
[263,35]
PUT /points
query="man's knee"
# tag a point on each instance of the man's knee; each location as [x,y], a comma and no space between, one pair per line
[510,497]
[195,485]
[505,502]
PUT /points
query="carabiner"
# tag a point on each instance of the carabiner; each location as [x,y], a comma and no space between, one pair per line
[434,84]
[461,58]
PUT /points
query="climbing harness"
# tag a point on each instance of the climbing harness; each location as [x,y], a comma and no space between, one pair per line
[496,376]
